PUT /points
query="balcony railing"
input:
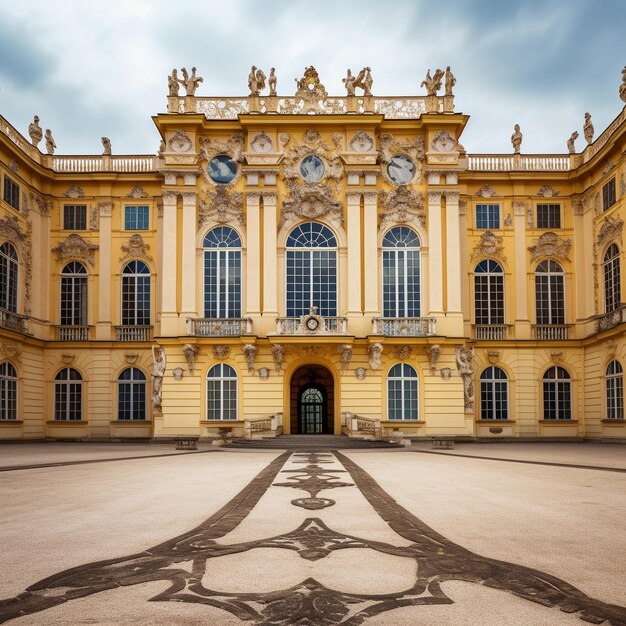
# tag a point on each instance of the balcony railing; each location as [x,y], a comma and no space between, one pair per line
[72,333]
[519,163]
[215,327]
[132,333]
[302,325]
[404,326]
[550,331]
[609,320]
[490,332]
[13,321]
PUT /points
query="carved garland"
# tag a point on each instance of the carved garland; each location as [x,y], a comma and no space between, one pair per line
[550,245]
[489,245]
[224,207]
[75,247]
[136,248]
[403,205]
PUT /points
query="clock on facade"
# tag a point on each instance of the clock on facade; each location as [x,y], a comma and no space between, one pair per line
[312,323]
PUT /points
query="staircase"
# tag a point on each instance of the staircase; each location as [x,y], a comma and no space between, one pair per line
[310,442]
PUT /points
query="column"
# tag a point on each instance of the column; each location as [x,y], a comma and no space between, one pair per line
[522,323]
[270,259]
[169,315]
[435,259]
[354,252]
[103,323]
[253,254]
[453,256]
[188,277]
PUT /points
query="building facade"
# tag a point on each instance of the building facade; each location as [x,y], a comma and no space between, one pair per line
[312,264]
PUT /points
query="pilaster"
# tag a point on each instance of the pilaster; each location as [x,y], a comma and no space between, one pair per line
[354,252]
[370,253]
[253,254]
[270,268]
[169,314]
[188,262]
[522,322]
[103,323]
[435,253]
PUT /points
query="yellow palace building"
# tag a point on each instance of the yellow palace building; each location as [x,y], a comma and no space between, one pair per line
[312,264]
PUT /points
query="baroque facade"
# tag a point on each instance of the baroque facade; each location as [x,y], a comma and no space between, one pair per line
[312,264]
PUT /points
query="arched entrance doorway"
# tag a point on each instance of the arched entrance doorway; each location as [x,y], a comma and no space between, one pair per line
[312,400]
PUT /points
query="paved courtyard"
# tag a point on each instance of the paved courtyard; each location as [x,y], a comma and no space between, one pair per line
[484,534]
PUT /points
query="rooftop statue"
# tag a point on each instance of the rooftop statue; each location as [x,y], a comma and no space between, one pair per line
[309,87]
[364,81]
[173,84]
[588,128]
[622,87]
[191,82]
[571,148]
[50,145]
[35,131]
[516,139]
[256,81]
[349,82]
[432,83]
[106,145]
[450,81]
[272,82]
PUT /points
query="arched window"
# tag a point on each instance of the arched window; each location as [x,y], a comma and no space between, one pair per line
[222,273]
[402,393]
[401,273]
[614,391]
[8,392]
[557,394]
[68,395]
[8,277]
[550,293]
[311,270]
[494,394]
[74,295]
[489,293]
[136,294]
[221,393]
[131,395]
[612,280]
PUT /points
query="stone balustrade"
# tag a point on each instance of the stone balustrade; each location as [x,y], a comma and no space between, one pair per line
[361,427]
[72,333]
[611,319]
[87,164]
[217,327]
[13,321]
[297,326]
[491,332]
[550,331]
[259,427]
[132,333]
[518,162]
[404,326]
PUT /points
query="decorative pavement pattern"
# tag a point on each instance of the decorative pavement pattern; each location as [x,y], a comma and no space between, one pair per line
[190,562]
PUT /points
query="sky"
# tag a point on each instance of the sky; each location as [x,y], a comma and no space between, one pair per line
[90,68]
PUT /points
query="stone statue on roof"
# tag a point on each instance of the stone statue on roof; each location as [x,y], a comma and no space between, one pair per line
[588,129]
[432,83]
[106,145]
[256,81]
[450,81]
[516,139]
[50,145]
[622,87]
[571,148]
[364,81]
[34,131]
[272,82]
[191,82]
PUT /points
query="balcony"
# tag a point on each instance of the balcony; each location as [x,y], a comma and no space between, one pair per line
[490,332]
[72,333]
[216,327]
[611,319]
[132,333]
[13,321]
[311,325]
[550,331]
[404,326]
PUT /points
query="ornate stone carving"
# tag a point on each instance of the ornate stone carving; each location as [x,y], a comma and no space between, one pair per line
[106,146]
[310,93]
[465,364]
[414,148]
[508,221]
[272,82]
[571,142]
[261,143]
[433,352]
[550,245]
[487,191]
[136,248]
[43,206]
[278,354]
[191,353]
[224,206]
[611,347]
[256,81]
[557,356]
[445,373]
[402,352]
[432,83]
[159,364]
[11,351]
[450,81]
[249,351]
[68,359]
[311,350]
[611,228]
[93,218]
[493,356]
[50,143]
[233,147]
[137,192]
[10,230]
[345,350]
[310,201]
[578,207]
[221,352]
[74,191]
[105,209]
[489,245]
[13,166]
[190,81]
[75,247]
[520,207]
[35,131]
[588,129]
[622,185]
[180,142]
[375,352]
[363,80]
[443,142]
[622,87]
[264,373]
[547,191]
[403,205]
[361,142]
[178,373]
[516,139]
[131,357]
[359,373]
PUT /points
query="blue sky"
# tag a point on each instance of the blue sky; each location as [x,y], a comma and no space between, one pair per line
[90,68]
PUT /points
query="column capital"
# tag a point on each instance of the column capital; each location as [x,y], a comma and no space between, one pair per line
[169,197]
[189,197]
[253,197]
[105,208]
[434,197]
[452,196]
[269,197]
[353,196]
[370,197]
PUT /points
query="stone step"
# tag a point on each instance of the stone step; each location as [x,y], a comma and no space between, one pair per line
[310,442]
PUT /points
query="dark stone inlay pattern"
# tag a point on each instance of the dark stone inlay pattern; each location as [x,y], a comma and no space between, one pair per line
[309,602]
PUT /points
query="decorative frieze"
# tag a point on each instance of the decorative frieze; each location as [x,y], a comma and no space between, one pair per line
[403,205]
[75,247]
[550,245]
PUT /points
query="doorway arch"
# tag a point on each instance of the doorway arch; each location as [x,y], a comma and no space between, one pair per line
[312,399]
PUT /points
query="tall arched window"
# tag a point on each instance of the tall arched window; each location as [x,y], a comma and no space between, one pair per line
[612,280]
[489,293]
[74,295]
[136,294]
[222,273]
[494,394]
[8,277]
[557,394]
[401,273]
[550,293]
[614,391]
[68,395]
[221,392]
[311,270]
[131,395]
[8,392]
[402,393]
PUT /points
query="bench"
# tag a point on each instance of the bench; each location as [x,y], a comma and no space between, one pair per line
[186,443]
[443,444]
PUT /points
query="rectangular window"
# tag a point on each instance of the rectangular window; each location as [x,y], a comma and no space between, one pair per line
[608,195]
[11,193]
[488,216]
[136,217]
[75,217]
[548,216]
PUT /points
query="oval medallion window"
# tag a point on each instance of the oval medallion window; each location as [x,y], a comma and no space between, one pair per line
[312,169]
[401,169]
[222,169]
